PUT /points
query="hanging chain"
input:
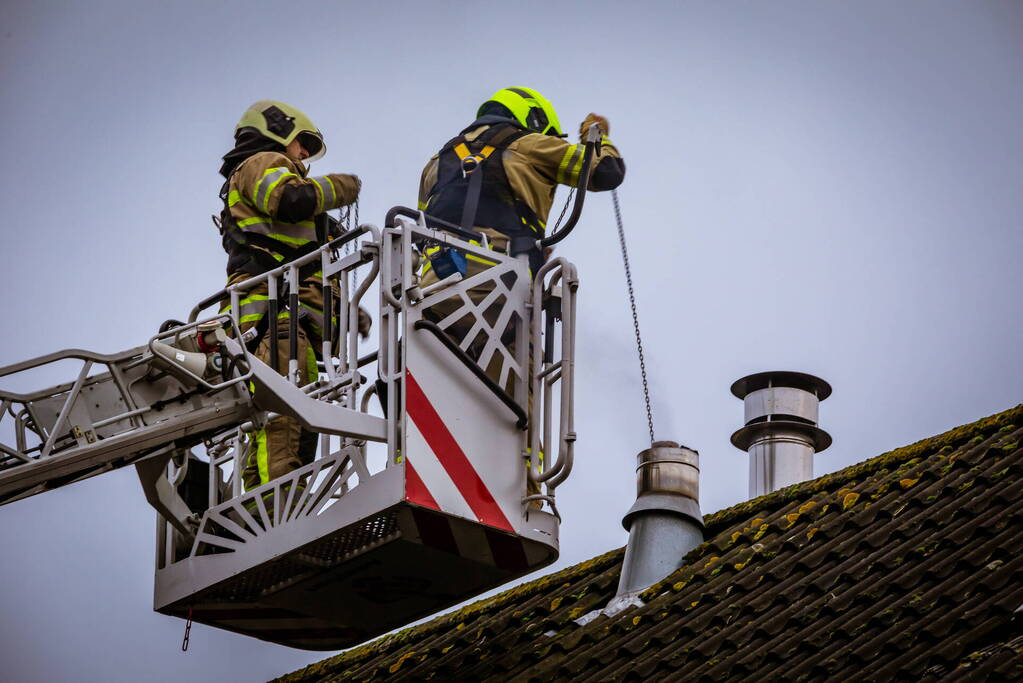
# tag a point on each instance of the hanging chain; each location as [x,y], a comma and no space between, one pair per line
[635,316]
[353,223]
[188,629]
[348,218]
[564,208]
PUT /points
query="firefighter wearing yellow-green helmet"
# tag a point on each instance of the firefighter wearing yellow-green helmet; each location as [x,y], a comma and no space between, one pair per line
[516,142]
[284,123]
[529,108]
[498,176]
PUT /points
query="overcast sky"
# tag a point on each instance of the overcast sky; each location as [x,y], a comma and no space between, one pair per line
[827,187]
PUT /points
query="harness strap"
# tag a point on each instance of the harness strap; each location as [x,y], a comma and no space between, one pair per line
[472,200]
[496,137]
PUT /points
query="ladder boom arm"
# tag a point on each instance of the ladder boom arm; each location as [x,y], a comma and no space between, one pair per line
[147,402]
[275,393]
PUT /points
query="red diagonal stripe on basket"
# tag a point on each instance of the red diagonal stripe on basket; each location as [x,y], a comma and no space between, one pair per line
[415,489]
[451,457]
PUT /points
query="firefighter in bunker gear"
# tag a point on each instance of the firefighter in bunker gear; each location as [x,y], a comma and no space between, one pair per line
[519,129]
[273,213]
[516,143]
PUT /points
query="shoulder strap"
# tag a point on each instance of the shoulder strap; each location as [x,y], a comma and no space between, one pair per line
[501,136]
[497,137]
[472,199]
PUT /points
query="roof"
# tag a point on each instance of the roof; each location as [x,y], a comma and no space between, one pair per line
[906,565]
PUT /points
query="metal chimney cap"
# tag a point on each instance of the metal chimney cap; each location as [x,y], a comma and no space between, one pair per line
[817,437]
[667,481]
[781,378]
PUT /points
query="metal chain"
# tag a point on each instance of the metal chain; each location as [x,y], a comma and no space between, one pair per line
[348,218]
[188,629]
[344,219]
[353,223]
[635,316]
[564,209]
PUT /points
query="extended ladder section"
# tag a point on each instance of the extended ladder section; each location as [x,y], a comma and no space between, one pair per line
[120,409]
[439,452]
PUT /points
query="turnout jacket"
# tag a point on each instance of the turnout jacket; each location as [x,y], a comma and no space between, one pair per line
[273,205]
[534,166]
[270,195]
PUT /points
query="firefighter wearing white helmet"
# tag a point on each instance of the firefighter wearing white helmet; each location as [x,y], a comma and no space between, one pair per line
[273,213]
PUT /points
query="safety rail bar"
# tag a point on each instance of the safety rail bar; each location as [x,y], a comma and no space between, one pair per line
[546,372]
[300,261]
[332,266]
[431,222]
[339,349]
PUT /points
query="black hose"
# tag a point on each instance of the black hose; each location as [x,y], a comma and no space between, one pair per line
[273,311]
[399,211]
[328,317]
[292,325]
[580,197]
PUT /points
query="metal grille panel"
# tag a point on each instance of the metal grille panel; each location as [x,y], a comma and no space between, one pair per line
[326,552]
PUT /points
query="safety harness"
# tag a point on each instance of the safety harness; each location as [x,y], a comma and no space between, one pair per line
[473,193]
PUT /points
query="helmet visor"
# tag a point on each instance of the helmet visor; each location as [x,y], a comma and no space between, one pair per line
[313,144]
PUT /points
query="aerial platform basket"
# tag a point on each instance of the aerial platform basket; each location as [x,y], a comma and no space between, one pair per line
[438,493]
[454,501]
[326,579]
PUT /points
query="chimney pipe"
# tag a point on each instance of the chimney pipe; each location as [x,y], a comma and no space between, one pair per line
[665,522]
[781,432]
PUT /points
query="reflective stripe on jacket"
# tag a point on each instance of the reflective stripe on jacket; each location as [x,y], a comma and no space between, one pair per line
[254,198]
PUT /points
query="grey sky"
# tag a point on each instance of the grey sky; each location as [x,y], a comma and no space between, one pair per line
[818,186]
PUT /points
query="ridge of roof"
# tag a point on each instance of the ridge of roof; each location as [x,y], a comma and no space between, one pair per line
[512,608]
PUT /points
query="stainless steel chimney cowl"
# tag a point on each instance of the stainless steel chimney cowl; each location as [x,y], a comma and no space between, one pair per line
[781,433]
[665,522]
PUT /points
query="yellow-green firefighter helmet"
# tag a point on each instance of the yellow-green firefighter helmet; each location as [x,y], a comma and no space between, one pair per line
[283,123]
[529,108]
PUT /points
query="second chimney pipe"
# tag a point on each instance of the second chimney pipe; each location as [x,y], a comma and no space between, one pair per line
[780,432]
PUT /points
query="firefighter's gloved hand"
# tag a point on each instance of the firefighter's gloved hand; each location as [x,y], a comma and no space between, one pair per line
[591,118]
[348,186]
[365,322]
